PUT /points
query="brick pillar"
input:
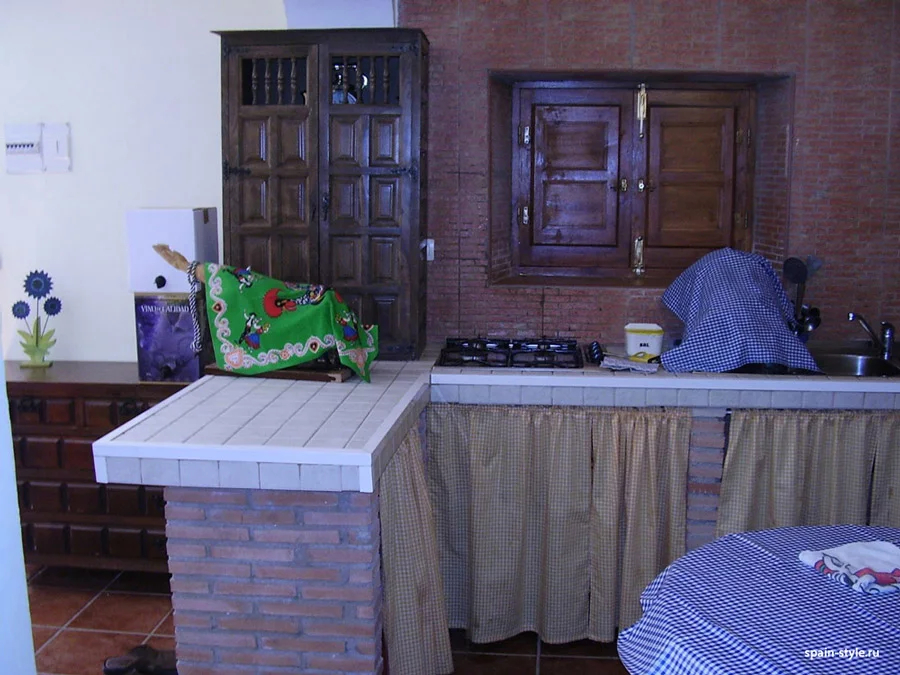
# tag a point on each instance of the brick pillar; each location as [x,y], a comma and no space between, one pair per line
[707,457]
[275,581]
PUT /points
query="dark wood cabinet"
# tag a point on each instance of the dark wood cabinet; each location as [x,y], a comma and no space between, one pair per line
[67,517]
[612,181]
[324,146]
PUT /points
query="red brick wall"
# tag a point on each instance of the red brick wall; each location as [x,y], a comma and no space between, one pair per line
[274,581]
[839,198]
[707,457]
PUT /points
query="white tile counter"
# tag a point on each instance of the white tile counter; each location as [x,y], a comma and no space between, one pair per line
[592,385]
[271,434]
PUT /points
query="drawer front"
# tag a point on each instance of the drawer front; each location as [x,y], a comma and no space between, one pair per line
[155,544]
[84,498]
[41,496]
[78,455]
[39,452]
[36,410]
[86,540]
[125,542]
[102,415]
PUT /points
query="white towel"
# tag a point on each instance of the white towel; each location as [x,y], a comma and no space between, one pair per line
[869,566]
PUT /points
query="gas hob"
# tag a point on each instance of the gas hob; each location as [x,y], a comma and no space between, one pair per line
[511,353]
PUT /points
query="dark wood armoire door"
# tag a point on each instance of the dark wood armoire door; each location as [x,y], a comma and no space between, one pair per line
[371,169]
[270,167]
[324,162]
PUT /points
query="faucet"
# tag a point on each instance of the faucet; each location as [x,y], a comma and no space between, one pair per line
[884,343]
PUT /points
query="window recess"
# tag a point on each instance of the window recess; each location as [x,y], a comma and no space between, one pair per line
[616,182]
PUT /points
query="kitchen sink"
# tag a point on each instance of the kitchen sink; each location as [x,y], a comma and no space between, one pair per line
[855,365]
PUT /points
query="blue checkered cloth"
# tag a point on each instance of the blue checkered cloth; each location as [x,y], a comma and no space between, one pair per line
[746,605]
[735,312]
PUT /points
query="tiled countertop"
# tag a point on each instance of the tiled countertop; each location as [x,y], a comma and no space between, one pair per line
[239,432]
[242,432]
[595,386]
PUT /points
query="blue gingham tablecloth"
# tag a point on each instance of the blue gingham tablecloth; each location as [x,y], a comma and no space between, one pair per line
[745,604]
[735,312]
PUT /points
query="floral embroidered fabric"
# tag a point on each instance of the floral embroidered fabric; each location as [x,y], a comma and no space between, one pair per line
[259,324]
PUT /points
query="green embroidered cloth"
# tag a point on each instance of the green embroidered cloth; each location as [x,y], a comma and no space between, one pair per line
[259,324]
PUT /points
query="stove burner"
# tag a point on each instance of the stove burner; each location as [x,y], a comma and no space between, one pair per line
[511,353]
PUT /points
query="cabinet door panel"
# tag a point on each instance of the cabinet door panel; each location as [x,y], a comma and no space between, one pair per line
[78,454]
[346,258]
[385,260]
[346,209]
[86,540]
[576,162]
[293,143]
[254,152]
[99,414]
[155,544]
[254,196]
[60,411]
[49,538]
[124,542]
[123,500]
[385,200]
[44,497]
[154,502]
[85,498]
[384,147]
[347,136]
[691,162]
[38,452]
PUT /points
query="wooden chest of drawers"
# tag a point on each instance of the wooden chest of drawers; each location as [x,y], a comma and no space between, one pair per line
[67,517]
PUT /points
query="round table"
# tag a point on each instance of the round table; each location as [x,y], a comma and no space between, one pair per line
[745,603]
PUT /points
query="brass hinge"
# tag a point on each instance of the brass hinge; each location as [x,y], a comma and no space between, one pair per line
[741,136]
[741,219]
[525,135]
[524,215]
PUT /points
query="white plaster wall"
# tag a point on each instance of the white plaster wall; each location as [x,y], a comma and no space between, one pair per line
[138,81]
[341,13]
[15,637]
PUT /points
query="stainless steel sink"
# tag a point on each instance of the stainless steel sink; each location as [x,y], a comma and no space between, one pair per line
[855,365]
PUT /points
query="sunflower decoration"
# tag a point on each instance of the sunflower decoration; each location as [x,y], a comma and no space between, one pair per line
[37,339]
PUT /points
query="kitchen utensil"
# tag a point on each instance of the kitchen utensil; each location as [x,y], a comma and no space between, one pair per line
[796,271]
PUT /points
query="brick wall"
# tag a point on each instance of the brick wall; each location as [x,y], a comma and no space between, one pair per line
[831,188]
[707,455]
[274,581]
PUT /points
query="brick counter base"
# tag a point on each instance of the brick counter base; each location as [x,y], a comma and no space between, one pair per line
[273,581]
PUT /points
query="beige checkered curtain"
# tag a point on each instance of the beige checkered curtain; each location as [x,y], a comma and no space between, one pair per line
[797,467]
[519,495]
[639,516]
[886,477]
[415,616]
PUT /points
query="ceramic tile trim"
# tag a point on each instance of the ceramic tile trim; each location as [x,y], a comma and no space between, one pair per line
[339,436]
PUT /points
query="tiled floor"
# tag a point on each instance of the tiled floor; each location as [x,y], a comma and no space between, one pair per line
[82,617]
[524,654]
[79,618]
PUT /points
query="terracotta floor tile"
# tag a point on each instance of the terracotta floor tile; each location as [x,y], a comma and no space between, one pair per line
[493,664]
[524,643]
[581,648]
[162,643]
[51,606]
[142,582]
[573,665]
[76,652]
[124,613]
[73,577]
[167,627]
[40,635]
